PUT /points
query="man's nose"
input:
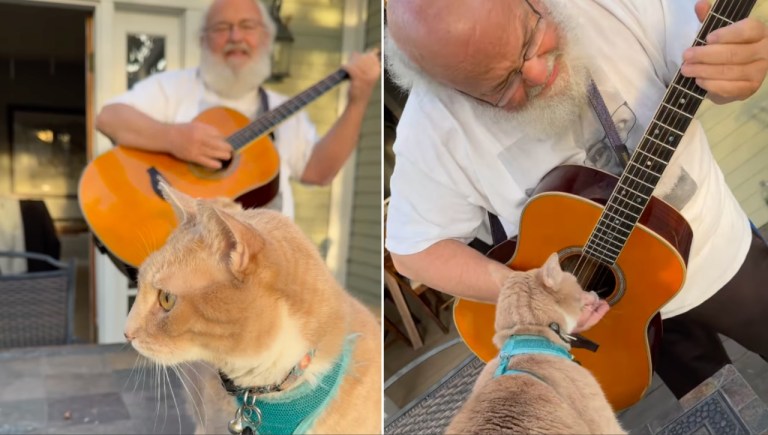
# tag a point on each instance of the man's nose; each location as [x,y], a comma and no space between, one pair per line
[235,33]
[536,71]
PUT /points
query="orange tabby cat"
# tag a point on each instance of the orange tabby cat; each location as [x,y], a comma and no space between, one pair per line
[539,389]
[247,293]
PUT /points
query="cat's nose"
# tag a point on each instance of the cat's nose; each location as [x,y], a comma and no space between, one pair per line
[128,336]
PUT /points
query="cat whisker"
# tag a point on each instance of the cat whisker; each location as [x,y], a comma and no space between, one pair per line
[204,416]
[161,379]
[133,369]
[144,365]
[173,396]
[157,385]
[181,375]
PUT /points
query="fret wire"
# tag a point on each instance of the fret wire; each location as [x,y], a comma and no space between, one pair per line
[600,254]
[612,236]
[635,195]
[620,232]
[722,18]
[606,248]
[657,145]
[643,171]
[599,257]
[688,91]
[653,163]
[631,200]
[619,218]
[624,221]
[682,102]
[606,237]
[630,203]
[640,181]
[660,143]
[665,162]
[626,182]
[678,110]
[603,226]
[671,116]
[661,130]
[288,108]
[643,174]
[667,127]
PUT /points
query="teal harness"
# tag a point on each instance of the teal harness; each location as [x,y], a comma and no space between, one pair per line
[296,410]
[526,345]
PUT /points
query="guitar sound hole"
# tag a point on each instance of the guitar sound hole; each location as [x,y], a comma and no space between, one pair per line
[591,274]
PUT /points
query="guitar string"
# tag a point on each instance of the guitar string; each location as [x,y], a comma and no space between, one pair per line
[645,175]
[287,108]
[745,7]
[264,123]
[587,266]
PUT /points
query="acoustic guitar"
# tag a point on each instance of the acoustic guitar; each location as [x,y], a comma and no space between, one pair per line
[119,190]
[616,238]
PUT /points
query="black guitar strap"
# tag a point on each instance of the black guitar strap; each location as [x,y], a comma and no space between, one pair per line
[498,234]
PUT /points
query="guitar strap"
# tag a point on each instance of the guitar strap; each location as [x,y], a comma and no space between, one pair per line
[264,108]
[498,234]
[619,148]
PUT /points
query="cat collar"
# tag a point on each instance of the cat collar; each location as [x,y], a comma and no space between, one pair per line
[289,380]
[294,411]
[527,345]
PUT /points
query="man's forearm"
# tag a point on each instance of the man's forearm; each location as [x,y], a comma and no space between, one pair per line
[453,267]
[127,126]
[333,150]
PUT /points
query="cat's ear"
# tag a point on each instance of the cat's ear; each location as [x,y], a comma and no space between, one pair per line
[237,240]
[551,273]
[184,206]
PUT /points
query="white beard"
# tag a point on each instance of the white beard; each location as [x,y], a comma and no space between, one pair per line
[229,83]
[552,114]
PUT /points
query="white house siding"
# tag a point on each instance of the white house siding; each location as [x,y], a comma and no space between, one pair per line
[364,261]
[738,135]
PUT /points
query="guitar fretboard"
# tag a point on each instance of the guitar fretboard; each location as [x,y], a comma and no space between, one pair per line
[654,151]
[266,122]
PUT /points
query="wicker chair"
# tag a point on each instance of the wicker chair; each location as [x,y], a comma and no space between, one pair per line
[37,308]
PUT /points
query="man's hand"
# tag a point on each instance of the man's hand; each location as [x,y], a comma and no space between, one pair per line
[734,62]
[199,143]
[592,310]
[364,70]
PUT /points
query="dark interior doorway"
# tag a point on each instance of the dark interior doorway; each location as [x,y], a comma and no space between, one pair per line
[43,145]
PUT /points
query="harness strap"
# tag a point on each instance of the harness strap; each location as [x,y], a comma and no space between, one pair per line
[527,345]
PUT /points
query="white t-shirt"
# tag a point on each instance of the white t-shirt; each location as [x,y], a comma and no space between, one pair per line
[452,164]
[179,96]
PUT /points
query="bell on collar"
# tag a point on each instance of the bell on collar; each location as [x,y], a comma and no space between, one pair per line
[237,424]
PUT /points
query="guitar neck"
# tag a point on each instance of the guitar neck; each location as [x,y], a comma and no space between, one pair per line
[652,155]
[266,122]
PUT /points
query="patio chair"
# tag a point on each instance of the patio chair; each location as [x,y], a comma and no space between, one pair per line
[431,302]
[37,308]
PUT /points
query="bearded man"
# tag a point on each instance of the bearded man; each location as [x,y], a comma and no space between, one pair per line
[236,42]
[500,94]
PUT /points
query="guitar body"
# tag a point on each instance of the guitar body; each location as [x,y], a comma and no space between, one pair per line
[120,200]
[649,271]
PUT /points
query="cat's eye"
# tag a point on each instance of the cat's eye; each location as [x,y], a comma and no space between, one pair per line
[167,300]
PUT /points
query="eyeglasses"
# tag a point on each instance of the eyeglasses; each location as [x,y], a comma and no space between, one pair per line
[224,29]
[529,50]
